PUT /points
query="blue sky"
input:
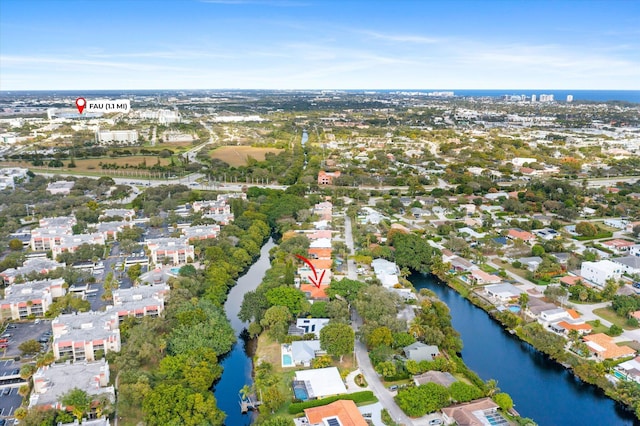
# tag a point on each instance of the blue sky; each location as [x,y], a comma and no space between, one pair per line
[309,44]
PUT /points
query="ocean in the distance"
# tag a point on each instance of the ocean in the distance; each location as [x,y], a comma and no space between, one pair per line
[559,95]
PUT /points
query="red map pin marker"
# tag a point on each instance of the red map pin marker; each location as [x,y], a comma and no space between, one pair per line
[81,103]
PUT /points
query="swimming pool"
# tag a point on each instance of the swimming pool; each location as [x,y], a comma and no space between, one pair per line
[300,391]
[286,360]
[175,270]
[514,309]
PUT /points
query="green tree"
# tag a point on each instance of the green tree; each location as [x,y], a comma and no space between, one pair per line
[169,404]
[586,229]
[386,369]
[337,339]
[290,297]
[379,336]
[420,400]
[276,321]
[503,400]
[614,330]
[29,347]
[537,250]
[15,244]
[278,421]
[78,401]
[134,272]
[463,392]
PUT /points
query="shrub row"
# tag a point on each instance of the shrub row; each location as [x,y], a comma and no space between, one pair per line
[357,397]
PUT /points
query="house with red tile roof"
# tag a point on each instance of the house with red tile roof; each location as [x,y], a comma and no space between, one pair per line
[618,245]
[603,347]
[572,280]
[345,411]
[519,234]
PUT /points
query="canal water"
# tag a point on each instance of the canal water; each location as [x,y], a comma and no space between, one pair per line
[541,389]
[238,364]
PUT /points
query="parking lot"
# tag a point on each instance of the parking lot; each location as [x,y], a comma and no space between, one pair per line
[21,332]
[9,401]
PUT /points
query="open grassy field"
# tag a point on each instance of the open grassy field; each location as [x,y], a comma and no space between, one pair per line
[611,316]
[133,161]
[237,155]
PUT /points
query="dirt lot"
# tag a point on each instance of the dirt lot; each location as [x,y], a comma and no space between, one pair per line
[237,155]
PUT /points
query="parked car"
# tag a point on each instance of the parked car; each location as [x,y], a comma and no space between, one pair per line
[435,422]
[6,391]
[393,388]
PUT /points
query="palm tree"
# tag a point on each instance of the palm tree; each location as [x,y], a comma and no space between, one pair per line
[491,386]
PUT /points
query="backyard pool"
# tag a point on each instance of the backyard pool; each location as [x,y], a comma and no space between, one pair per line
[286,360]
[514,308]
[300,391]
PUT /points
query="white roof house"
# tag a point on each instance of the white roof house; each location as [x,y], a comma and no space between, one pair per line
[599,272]
[321,382]
[387,272]
[503,292]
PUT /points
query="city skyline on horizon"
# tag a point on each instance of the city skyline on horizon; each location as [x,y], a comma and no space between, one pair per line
[313,45]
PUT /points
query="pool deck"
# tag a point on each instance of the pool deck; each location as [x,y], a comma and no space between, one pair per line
[285,349]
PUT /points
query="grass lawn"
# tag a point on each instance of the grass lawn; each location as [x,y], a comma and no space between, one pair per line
[237,155]
[597,329]
[488,269]
[632,344]
[611,316]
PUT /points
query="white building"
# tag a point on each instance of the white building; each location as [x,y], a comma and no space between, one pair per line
[9,176]
[599,272]
[51,382]
[503,292]
[80,336]
[569,98]
[201,232]
[320,382]
[35,265]
[118,136]
[61,187]
[71,243]
[387,272]
[175,251]
[140,301]
[31,298]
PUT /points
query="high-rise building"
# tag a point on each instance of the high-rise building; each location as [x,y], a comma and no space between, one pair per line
[533,98]
[569,98]
[546,98]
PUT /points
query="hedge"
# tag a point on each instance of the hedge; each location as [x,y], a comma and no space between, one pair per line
[357,397]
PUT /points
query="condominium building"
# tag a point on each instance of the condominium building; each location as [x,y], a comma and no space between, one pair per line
[140,301]
[175,251]
[80,336]
[32,298]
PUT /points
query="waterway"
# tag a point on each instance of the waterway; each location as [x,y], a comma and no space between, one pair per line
[238,363]
[541,389]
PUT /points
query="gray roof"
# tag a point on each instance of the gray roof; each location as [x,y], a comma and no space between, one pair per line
[303,351]
[438,377]
[630,261]
[419,351]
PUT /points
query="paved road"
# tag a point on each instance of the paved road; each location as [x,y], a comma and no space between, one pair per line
[348,237]
[385,397]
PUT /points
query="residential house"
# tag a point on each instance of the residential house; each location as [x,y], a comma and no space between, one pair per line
[31,298]
[629,264]
[474,413]
[503,292]
[603,347]
[326,178]
[387,272]
[618,246]
[53,381]
[481,277]
[324,210]
[125,214]
[519,234]
[338,413]
[445,379]
[571,280]
[599,272]
[460,264]
[308,325]
[320,382]
[304,351]
[419,351]
[546,233]
[630,370]
[531,263]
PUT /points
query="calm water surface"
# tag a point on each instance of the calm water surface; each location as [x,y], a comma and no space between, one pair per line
[541,389]
[238,363]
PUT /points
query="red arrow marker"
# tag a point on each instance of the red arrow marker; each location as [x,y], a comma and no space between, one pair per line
[315,281]
[81,103]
